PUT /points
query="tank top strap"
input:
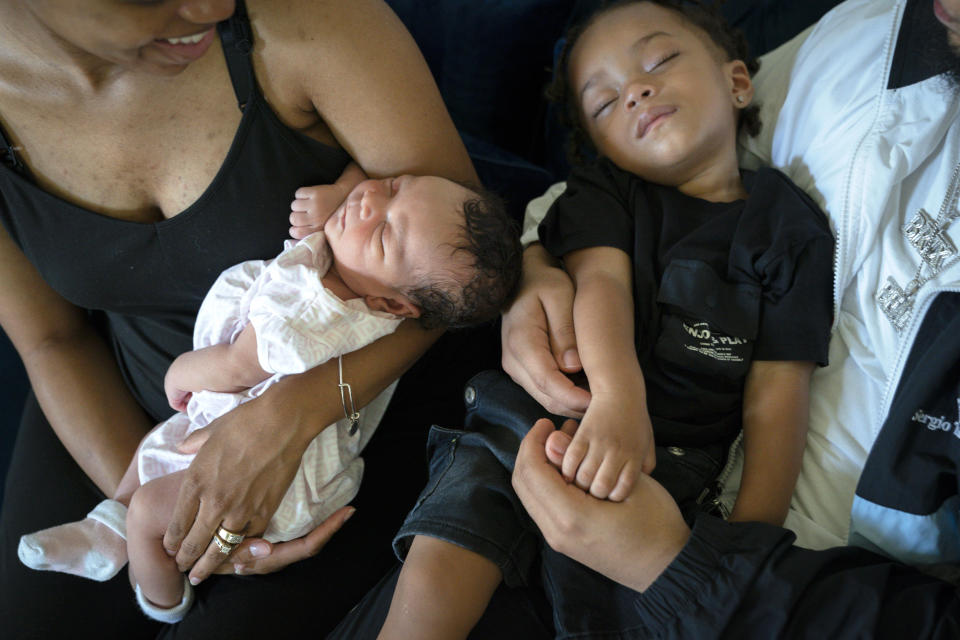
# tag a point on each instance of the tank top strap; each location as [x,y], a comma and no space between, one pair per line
[9,157]
[236,38]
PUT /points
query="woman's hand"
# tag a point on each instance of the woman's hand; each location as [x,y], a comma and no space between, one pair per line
[539,344]
[245,462]
[258,556]
[631,542]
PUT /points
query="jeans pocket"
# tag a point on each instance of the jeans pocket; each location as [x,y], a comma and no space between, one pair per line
[442,445]
[685,472]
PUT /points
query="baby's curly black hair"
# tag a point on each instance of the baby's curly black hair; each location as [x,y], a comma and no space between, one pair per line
[491,240]
[706,17]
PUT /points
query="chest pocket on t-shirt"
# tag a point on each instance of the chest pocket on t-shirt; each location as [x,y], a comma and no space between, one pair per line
[707,324]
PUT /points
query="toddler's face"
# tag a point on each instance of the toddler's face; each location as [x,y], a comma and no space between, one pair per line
[653,94]
[388,231]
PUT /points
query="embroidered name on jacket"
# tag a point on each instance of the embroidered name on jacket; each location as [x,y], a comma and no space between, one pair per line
[939,423]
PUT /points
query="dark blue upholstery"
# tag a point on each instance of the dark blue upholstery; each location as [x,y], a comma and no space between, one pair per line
[491,61]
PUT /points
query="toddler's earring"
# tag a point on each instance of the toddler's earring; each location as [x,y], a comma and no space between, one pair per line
[739,99]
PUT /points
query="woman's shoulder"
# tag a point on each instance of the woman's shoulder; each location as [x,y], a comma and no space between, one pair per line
[311,48]
[319,24]
[351,70]
[315,41]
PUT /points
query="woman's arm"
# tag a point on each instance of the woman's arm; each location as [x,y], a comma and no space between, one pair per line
[351,70]
[353,66]
[775,417]
[72,371]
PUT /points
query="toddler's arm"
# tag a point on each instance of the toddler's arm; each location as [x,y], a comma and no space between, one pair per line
[775,416]
[614,441]
[313,205]
[224,367]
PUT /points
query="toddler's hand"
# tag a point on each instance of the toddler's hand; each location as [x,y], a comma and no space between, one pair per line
[314,205]
[611,447]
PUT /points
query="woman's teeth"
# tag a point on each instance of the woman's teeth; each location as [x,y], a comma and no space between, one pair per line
[194,39]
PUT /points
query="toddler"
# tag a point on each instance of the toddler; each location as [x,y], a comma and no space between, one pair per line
[702,304]
[406,247]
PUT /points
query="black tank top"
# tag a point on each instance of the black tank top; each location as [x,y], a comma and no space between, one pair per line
[144,282]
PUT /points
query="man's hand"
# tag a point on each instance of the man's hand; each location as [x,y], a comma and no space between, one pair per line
[631,542]
[539,345]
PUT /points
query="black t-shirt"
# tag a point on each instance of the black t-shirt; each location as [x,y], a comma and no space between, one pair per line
[716,285]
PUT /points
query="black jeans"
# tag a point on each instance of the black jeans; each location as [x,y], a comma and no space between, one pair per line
[469,501]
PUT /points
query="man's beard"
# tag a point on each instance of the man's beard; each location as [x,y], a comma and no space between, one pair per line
[952,56]
[940,53]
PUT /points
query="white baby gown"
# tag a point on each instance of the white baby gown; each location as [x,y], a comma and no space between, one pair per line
[299,325]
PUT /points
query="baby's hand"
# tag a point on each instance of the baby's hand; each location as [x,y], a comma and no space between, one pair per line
[177,396]
[314,205]
[611,447]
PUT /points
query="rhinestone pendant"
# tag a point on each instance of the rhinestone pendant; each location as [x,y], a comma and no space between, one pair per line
[930,240]
[896,303]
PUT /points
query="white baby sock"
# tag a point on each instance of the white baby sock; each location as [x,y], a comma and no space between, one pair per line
[95,547]
[171,615]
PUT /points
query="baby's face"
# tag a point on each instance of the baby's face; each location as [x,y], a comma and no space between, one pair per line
[653,93]
[389,230]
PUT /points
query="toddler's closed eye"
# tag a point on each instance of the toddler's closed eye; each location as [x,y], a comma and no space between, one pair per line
[665,59]
[599,109]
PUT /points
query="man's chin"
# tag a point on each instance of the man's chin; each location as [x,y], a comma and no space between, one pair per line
[953,66]
[942,50]
[953,41]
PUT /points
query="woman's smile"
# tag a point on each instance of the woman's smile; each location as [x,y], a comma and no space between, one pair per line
[183,49]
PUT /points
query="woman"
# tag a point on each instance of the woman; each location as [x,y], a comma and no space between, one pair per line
[131,179]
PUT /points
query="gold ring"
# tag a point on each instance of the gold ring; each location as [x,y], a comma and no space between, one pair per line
[230,536]
[225,547]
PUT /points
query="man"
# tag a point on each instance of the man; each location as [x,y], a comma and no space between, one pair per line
[862,112]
